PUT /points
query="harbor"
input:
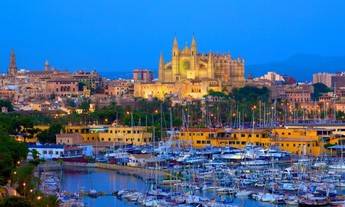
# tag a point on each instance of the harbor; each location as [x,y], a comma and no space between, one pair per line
[252,176]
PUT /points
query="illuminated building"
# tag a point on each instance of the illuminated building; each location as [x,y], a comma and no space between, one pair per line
[191,74]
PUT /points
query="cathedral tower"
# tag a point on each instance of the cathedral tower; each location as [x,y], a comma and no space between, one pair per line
[175,61]
[12,68]
[46,66]
[161,68]
[193,47]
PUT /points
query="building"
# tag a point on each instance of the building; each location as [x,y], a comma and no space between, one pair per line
[119,88]
[63,87]
[46,151]
[136,135]
[325,78]
[142,75]
[338,81]
[189,64]
[299,93]
[12,68]
[92,80]
[69,138]
[272,76]
[297,141]
[182,89]
[188,68]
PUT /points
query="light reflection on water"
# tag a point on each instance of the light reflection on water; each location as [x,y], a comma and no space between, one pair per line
[109,181]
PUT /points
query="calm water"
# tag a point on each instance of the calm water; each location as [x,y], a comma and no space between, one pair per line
[109,181]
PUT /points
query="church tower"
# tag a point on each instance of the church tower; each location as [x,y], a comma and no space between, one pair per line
[12,68]
[210,68]
[161,68]
[194,59]
[46,66]
[175,61]
[193,47]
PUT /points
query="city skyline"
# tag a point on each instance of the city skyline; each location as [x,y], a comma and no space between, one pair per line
[98,36]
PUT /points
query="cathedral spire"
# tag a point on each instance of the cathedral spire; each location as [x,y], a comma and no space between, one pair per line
[175,50]
[46,66]
[175,44]
[12,68]
[193,46]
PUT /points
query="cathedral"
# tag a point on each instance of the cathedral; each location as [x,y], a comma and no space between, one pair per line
[191,74]
[188,64]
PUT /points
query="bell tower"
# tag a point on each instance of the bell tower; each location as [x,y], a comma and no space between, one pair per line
[161,69]
[193,47]
[12,68]
[175,76]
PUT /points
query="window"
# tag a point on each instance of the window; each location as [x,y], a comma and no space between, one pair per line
[198,142]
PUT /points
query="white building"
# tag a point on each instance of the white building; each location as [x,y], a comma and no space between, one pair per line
[272,76]
[46,151]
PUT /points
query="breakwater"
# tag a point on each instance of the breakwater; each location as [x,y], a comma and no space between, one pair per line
[138,172]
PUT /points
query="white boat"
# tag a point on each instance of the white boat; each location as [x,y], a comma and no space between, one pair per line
[254,162]
[243,193]
[268,197]
[337,167]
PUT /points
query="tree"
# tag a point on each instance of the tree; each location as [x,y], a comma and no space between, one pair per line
[7,104]
[10,152]
[49,136]
[15,201]
[319,89]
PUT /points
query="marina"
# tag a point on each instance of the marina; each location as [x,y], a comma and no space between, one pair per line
[252,176]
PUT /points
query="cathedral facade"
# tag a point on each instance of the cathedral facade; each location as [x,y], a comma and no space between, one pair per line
[188,64]
[191,74]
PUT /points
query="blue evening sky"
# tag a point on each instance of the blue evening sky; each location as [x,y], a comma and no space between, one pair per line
[116,36]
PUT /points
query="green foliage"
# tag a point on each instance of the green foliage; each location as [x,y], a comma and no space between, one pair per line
[13,123]
[45,201]
[15,201]
[70,102]
[7,104]
[49,136]
[340,115]
[81,86]
[85,105]
[10,152]
[217,94]
[319,89]
[250,95]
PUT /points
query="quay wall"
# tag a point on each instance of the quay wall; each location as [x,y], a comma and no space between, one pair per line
[122,169]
